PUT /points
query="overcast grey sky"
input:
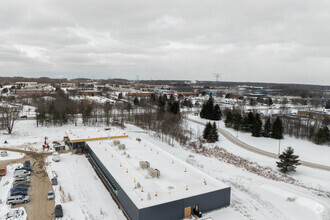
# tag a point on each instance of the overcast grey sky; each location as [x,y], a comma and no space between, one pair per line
[254,40]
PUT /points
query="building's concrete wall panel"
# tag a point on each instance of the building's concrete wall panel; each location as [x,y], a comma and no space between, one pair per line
[175,210]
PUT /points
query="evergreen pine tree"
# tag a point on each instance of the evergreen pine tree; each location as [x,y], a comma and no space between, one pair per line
[256,132]
[213,135]
[267,128]
[136,101]
[216,113]
[250,121]
[237,121]
[203,111]
[229,119]
[277,129]
[209,108]
[207,130]
[174,107]
[245,124]
[322,135]
[288,161]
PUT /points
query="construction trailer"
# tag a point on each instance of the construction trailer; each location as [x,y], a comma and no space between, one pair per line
[180,192]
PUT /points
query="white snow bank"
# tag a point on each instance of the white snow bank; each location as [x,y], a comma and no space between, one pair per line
[12,156]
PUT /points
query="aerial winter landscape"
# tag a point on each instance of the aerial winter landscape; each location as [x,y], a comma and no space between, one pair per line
[164,110]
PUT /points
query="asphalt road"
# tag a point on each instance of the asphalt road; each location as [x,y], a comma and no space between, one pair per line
[248,147]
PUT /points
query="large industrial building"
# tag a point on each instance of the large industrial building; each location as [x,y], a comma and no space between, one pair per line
[148,182]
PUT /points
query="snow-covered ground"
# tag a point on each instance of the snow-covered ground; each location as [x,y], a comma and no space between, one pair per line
[90,199]
[27,135]
[12,156]
[29,111]
[306,150]
[253,196]
[6,212]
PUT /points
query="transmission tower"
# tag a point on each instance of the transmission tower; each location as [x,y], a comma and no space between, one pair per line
[217,77]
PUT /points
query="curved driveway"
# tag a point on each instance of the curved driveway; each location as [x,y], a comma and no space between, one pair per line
[248,147]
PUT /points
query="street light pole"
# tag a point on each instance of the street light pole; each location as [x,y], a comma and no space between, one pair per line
[279,146]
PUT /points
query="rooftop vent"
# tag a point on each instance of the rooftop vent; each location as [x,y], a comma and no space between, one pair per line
[144,164]
[121,147]
[153,172]
[116,142]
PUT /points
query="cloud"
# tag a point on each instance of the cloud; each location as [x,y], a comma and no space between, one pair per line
[256,40]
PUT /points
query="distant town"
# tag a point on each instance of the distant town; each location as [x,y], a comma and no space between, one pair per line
[153,149]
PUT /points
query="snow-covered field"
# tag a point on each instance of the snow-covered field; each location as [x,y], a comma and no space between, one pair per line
[90,199]
[253,196]
[26,135]
[6,212]
[306,150]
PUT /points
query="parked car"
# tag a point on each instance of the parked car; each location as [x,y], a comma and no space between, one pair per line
[17,199]
[20,185]
[22,181]
[24,168]
[18,189]
[22,172]
[3,171]
[56,157]
[50,195]
[23,116]
[58,211]
[54,181]
[27,163]
[23,193]
[22,178]
[4,154]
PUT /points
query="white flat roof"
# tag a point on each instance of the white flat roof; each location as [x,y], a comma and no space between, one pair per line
[93,133]
[175,175]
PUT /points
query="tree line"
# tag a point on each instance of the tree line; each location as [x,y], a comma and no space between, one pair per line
[253,123]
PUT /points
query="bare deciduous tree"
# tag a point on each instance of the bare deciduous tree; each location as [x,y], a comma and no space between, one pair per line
[9,115]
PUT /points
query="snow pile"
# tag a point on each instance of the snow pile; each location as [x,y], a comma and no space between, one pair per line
[12,156]
[225,156]
[13,214]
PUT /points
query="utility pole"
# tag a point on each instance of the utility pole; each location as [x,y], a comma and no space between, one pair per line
[279,147]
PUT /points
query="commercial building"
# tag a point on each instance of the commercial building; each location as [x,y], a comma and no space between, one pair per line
[146,181]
